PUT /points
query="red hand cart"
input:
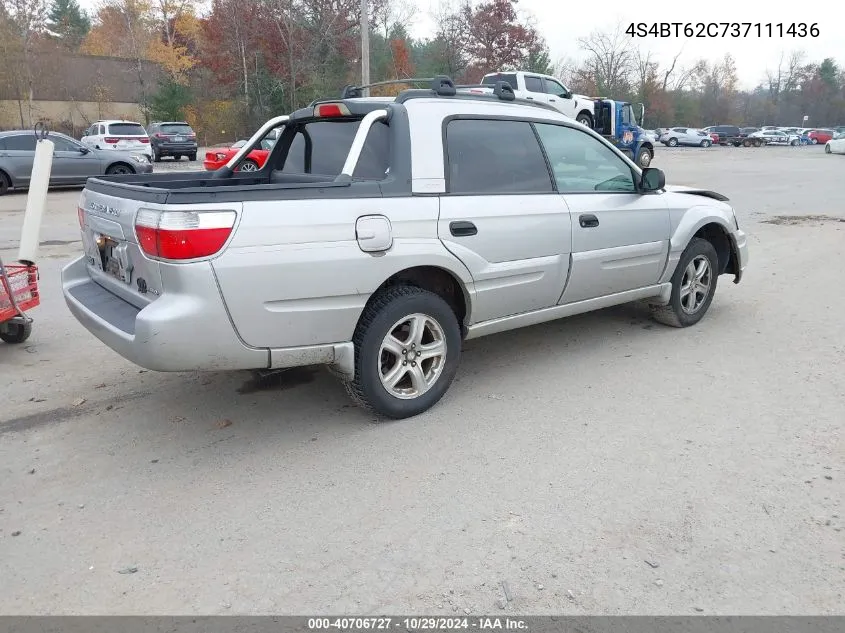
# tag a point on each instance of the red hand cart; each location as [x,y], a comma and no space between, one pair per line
[18,292]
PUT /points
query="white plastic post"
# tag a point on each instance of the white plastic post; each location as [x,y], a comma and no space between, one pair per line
[36,201]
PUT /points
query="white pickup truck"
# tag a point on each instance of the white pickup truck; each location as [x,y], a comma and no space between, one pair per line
[380,233]
[546,89]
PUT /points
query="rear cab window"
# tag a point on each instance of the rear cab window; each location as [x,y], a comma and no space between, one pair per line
[492,80]
[321,148]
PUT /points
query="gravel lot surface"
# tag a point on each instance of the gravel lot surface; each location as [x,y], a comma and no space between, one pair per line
[601,464]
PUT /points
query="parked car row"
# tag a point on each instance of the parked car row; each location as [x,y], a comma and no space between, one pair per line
[745,136]
[164,138]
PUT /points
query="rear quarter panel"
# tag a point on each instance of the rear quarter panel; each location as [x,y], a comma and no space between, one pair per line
[295,275]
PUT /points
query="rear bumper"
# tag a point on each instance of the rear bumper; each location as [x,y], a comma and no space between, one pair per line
[187,329]
[176,148]
[177,332]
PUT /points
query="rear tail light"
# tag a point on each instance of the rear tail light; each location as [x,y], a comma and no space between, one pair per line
[192,135]
[183,235]
[145,140]
[111,139]
[80,215]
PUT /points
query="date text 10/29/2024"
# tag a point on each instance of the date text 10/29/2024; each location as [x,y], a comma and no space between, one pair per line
[723,29]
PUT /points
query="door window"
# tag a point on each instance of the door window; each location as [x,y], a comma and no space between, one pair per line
[21,143]
[495,157]
[555,88]
[64,145]
[583,164]
[533,84]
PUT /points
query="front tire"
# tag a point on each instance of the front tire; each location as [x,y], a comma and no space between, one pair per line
[827,150]
[693,286]
[5,183]
[119,170]
[15,333]
[407,351]
[644,159]
[706,143]
[795,142]
[814,141]
[156,156]
[673,142]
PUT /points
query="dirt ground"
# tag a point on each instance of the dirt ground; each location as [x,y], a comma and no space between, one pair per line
[601,464]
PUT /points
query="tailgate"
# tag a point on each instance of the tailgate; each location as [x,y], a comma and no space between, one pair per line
[113,257]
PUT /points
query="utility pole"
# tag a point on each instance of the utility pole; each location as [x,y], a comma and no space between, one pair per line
[365,47]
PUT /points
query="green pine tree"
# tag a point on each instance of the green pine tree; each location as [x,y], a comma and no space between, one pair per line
[68,22]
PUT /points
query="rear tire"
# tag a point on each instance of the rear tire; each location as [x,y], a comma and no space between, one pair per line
[814,141]
[15,333]
[795,142]
[248,165]
[177,157]
[696,275]
[192,157]
[758,143]
[706,143]
[827,150]
[5,183]
[673,142]
[385,352]
[156,156]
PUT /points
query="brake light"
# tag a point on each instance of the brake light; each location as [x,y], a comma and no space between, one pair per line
[331,110]
[111,139]
[183,234]
[192,135]
[145,140]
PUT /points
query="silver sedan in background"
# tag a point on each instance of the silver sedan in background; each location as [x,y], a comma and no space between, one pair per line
[685,136]
[73,163]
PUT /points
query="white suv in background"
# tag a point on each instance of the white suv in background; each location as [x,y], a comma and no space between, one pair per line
[120,135]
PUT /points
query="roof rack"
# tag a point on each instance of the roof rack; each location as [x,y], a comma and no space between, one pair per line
[443,86]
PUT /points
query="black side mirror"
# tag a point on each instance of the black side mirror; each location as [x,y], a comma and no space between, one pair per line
[83,149]
[653,179]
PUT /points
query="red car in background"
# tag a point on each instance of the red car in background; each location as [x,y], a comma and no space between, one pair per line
[216,158]
[820,136]
[715,137]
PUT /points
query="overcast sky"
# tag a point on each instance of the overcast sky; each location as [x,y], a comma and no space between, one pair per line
[562,24]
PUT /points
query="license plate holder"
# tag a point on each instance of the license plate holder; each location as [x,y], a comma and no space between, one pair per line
[179,139]
[108,255]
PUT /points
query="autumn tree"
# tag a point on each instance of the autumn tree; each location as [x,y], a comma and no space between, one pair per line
[25,23]
[497,39]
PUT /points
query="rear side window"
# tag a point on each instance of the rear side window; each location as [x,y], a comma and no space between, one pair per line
[533,84]
[491,80]
[321,147]
[21,143]
[495,157]
[126,129]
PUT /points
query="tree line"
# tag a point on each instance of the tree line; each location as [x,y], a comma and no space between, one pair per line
[228,66]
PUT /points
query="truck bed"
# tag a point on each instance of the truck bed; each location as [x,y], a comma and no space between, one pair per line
[202,187]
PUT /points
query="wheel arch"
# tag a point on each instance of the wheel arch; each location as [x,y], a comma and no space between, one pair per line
[714,224]
[441,281]
[120,163]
